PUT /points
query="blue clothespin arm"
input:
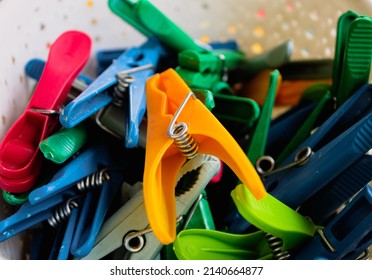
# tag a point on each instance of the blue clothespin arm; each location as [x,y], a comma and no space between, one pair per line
[296,185]
[138,63]
[83,165]
[30,215]
[93,214]
[339,191]
[106,57]
[62,243]
[35,67]
[151,52]
[357,106]
[347,235]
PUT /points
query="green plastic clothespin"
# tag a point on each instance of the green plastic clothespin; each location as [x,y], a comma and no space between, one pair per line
[257,143]
[149,20]
[204,70]
[305,129]
[353,55]
[64,143]
[274,217]
[202,244]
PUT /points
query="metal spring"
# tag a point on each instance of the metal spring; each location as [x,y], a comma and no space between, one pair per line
[61,213]
[121,89]
[276,244]
[93,181]
[185,142]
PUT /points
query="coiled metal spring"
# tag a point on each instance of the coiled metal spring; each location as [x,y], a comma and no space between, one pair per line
[276,244]
[95,180]
[124,80]
[185,142]
[121,89]
[62,212]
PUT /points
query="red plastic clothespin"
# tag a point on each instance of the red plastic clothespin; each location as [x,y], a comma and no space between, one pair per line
[180,127]
[20,159]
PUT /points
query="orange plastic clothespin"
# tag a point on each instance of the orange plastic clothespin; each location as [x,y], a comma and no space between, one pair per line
[180,127]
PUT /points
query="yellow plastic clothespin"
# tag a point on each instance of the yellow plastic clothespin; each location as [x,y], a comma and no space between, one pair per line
[180,127]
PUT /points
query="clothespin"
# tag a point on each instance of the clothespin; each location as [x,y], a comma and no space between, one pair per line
[347,235]
[150,21]
[353,55]
[104,58]
[315,168]
[338,191]
[35,67]
[85,164]
[192,129]
[93,210]
[130,222]
[54,210]
[202,244]
[62,243]
[281,231]
[285,126]
[20,159]
[128,73]
[207,70]
[63,144]
[321,108]
[257,145]
[274,217]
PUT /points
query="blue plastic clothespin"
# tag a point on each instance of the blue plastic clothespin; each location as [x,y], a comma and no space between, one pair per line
[285,127]
[62,243]
[92,214]
[105,58]
[54,210]
[128,72]
[296,185]
[87,163]
[347,235]
[338,192]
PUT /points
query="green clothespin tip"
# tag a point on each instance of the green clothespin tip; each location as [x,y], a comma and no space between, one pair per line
[257,144]
[274,217]
[63,144]
[202,244]
[15,198]
[305,129]
[315,92]
[205,96]
[357,57]
[149,20]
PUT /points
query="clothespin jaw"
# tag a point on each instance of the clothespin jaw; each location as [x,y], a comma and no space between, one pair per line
[125,76]
[274,217]
[201,244]
[165,94]
[347,235]
[19,153]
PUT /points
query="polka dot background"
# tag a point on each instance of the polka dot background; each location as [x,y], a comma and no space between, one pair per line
[27,28]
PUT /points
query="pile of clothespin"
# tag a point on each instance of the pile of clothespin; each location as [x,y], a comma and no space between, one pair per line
[172,151]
